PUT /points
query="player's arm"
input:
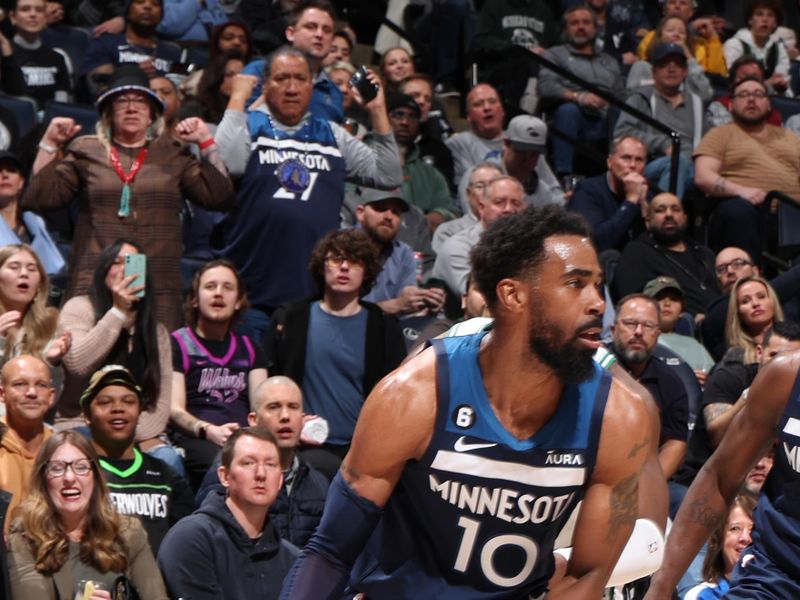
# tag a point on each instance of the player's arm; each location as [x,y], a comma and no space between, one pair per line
[716,485]
[653,492]
[611,505]
[719,416]
[395,425]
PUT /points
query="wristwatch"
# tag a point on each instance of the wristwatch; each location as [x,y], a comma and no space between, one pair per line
[201,431]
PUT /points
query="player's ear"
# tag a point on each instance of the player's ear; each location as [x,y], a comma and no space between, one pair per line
[512,294]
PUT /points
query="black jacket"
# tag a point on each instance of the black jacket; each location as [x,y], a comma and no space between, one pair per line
[208,556]
[644,259]
[285,342]
[294,515]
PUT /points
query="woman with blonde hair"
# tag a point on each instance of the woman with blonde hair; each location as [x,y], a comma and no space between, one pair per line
[67,531]
[27,324]
[130,179]
[753,308]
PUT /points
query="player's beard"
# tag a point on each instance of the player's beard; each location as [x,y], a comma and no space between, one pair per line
[561,352]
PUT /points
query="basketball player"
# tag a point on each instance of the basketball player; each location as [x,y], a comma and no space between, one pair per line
[770,567]
[467,461]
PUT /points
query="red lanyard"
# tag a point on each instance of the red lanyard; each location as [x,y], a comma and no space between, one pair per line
[126,178]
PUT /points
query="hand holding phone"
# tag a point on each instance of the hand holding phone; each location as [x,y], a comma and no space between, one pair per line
[136,264]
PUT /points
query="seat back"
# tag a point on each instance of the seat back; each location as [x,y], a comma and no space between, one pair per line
[83,114]
[23,108]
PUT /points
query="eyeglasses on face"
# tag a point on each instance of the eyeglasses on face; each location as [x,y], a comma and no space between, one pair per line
[735,264]
[336,260]
[757,94]
[124,102]
[633,324]
[58,468]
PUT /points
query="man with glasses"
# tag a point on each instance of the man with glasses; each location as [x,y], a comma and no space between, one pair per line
[731,265]
[27,391]
[739,163]
[504,196]
[476,181]
[335,345]
[423,186]
[229,547]
[635,334]
[139,484]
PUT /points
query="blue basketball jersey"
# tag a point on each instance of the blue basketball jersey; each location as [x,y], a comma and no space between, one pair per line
[776,530]
[477,515]
[272,233]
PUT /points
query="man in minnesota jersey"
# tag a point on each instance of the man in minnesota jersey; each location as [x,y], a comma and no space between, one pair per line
[467,460]
[138,484]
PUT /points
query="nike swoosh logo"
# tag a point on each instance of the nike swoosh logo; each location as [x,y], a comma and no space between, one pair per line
[462,446]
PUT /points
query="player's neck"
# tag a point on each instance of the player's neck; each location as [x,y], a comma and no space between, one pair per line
[523,392]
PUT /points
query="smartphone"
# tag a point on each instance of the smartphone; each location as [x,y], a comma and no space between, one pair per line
[365,87]
[136,264]
[434,282]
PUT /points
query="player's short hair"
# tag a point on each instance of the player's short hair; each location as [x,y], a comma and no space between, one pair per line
[513,245]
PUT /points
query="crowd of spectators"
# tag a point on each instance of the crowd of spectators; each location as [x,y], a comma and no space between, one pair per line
[301,233]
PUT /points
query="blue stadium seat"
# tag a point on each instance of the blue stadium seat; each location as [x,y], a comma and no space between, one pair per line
[786,106]
[83,114]
[24,109]
[74,41]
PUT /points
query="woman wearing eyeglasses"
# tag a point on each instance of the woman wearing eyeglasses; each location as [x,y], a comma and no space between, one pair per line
[67,531]
[130,180]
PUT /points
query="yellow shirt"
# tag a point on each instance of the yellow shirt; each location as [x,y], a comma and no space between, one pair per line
[707,53]
[16,465]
